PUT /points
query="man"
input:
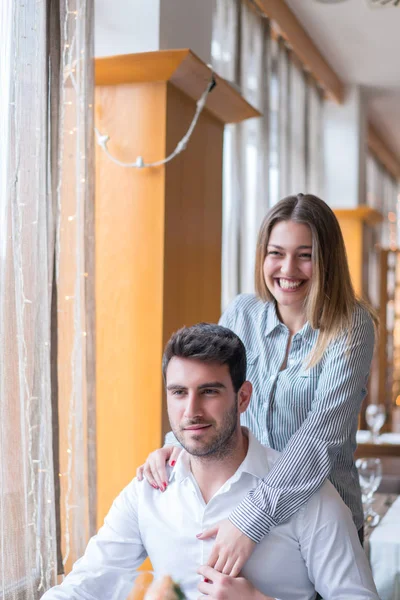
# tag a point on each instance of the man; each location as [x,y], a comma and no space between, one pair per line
[317,549]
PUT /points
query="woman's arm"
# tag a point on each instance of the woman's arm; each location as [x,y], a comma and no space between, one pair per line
[308,457]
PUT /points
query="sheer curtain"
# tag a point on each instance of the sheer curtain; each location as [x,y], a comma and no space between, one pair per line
[382,194]
[46,220]
[269,157]
[300,127]
[241,54]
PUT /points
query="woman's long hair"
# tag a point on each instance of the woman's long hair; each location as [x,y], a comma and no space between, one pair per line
[331,301]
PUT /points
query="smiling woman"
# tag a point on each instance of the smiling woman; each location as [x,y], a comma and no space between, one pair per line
[310,343]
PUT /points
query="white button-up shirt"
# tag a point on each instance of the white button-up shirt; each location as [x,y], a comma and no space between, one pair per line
[317,548]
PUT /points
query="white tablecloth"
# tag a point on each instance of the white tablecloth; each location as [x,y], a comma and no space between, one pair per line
[384,554]
[364,437]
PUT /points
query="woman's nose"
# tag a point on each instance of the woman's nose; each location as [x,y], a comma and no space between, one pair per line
[288,265]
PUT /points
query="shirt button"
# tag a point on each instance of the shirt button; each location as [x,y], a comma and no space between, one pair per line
[272,378]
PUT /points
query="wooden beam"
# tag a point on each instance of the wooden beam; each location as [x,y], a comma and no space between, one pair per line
[382,152]
[362,213]
[303,46]
[185,71]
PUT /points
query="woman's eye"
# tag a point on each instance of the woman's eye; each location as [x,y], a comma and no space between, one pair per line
[273,253]
[306,256]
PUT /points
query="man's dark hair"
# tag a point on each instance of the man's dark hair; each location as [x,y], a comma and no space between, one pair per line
[212,344]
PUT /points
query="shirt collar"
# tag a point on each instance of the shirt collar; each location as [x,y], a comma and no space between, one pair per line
[272,318]
[308,334]
[256,462]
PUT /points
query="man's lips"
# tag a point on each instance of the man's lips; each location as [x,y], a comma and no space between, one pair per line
[196,427]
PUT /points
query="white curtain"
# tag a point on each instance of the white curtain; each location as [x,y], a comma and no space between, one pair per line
[46,281]
[241,53]
[300,127]
[314,129]
[382,194]
[269,157]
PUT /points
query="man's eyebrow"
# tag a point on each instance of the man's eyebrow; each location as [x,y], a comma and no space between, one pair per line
[212,384]
[298,247]
[176,386]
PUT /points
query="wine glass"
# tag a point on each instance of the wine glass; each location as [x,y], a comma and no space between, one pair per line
[375,416]
[370,474]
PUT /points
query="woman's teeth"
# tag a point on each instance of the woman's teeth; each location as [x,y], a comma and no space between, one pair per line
[287,284]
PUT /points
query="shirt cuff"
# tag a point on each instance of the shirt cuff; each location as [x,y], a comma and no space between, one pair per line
[252,521]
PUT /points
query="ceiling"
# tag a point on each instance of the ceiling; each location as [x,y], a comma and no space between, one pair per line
[362,44]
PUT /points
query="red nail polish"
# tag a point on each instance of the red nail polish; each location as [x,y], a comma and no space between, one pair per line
[173,463]
[154,486]
[206,580]
[164,484]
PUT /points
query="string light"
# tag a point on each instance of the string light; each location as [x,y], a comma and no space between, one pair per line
[103,139]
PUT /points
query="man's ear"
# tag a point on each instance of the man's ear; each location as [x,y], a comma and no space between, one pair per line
[244,395]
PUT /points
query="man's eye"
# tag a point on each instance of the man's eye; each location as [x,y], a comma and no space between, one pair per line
[210,391]
[178,392]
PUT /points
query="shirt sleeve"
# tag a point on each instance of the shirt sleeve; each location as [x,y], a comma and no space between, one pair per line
[229,316]
[329,544]
[309,455]
[108,567]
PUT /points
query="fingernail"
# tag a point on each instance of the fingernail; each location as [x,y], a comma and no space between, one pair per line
[206,580]
[155,486]
[173,463]
[165,484]
[199,535]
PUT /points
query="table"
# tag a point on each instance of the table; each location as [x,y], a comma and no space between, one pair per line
[389,445]
[382,545]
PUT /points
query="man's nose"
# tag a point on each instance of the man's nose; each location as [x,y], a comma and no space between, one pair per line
[193,406]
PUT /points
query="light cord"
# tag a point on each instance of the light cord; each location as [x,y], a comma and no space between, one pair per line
[102,139]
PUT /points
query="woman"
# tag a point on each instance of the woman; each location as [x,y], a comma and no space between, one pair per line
[309,343]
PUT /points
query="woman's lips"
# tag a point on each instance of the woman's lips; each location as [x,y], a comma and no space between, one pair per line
[288,287]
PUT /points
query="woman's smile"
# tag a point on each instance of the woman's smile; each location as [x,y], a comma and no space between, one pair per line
[288,263]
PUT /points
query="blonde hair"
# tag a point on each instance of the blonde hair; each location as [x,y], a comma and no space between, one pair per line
[331,301]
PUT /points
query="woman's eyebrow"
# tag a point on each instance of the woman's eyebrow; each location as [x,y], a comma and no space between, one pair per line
[298,247]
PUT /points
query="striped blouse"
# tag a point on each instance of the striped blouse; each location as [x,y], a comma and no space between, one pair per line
[310,415]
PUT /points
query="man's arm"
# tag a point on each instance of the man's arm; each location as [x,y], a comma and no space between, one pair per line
[107,569]
[336,562]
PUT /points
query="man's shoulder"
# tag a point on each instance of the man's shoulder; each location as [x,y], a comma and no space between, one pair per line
[272,455]
[327,504]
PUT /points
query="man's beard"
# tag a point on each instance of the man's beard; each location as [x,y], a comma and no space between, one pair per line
[221,445]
